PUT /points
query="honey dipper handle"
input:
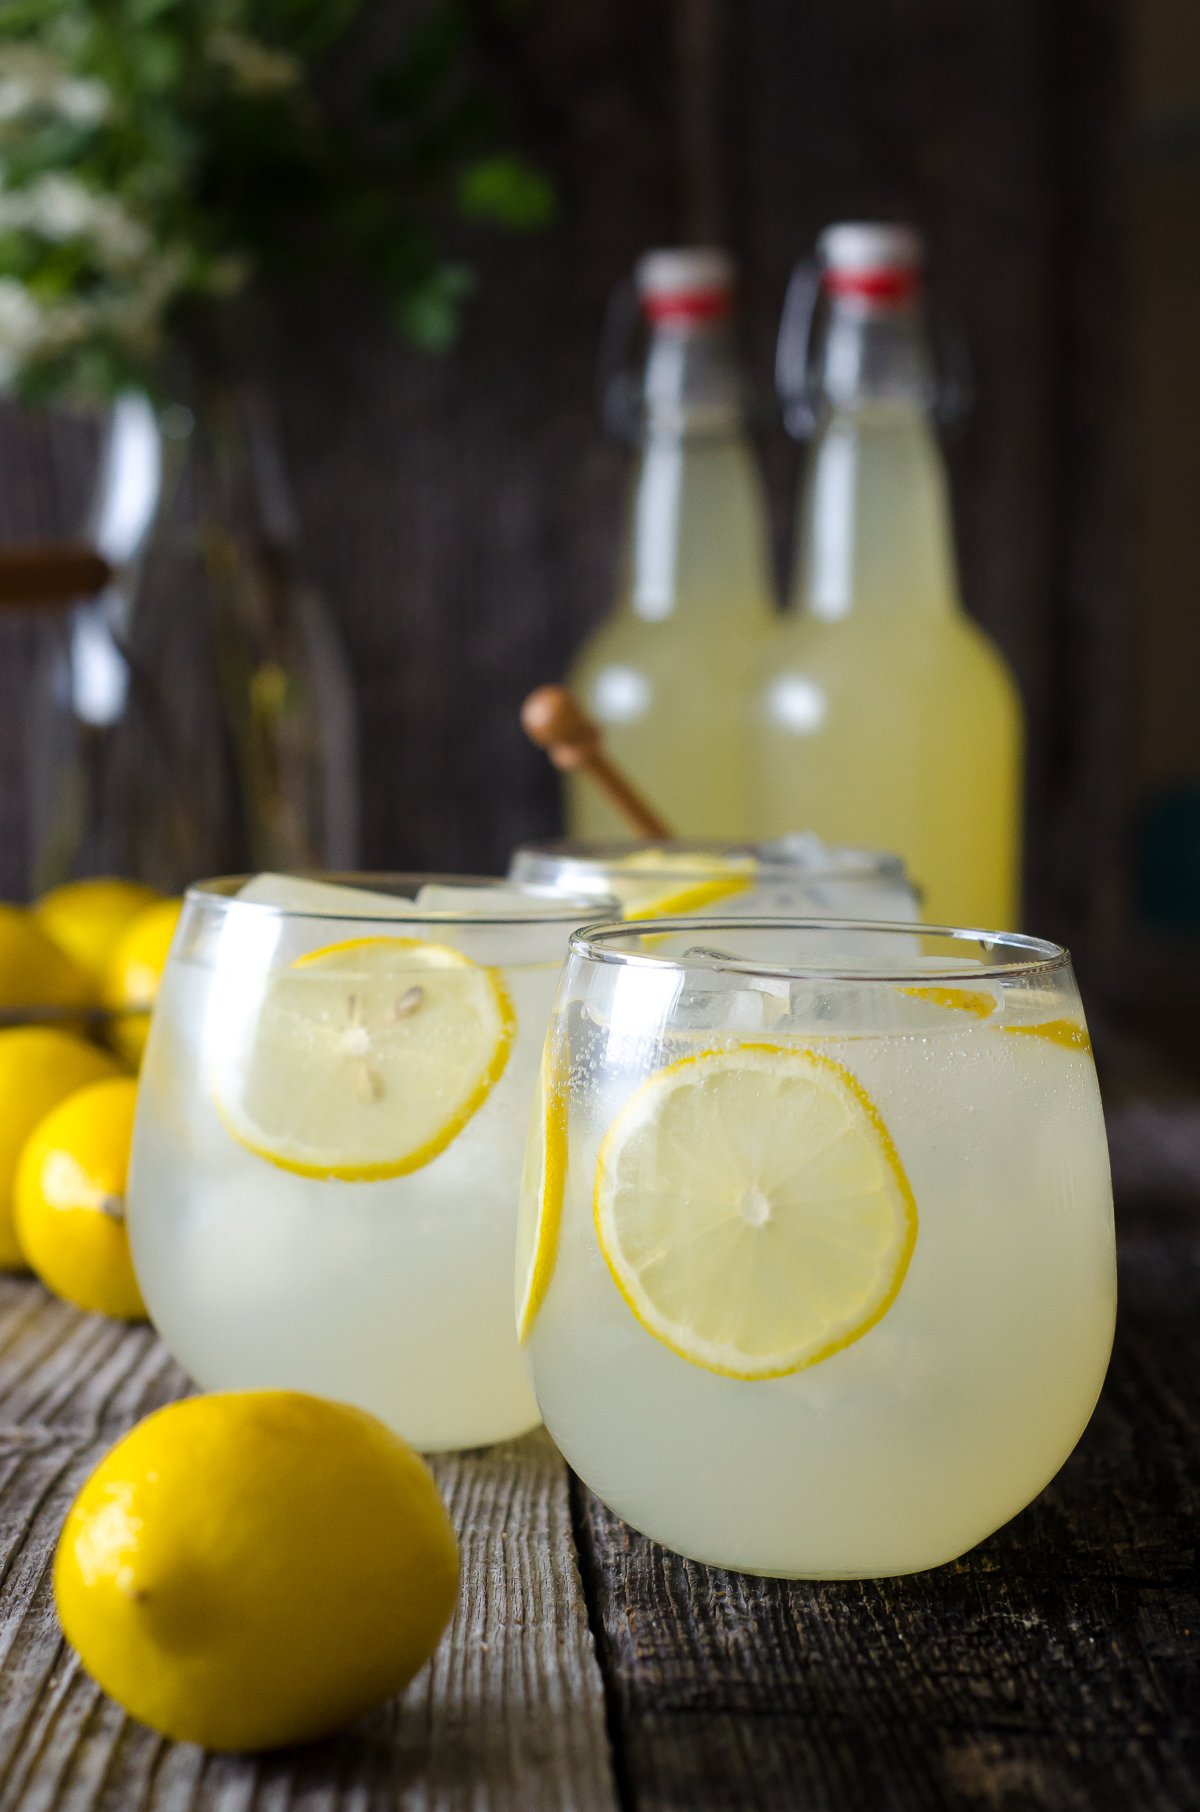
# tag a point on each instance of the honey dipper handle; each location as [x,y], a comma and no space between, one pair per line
[551,717]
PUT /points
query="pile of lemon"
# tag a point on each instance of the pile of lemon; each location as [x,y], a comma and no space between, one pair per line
[66,1099]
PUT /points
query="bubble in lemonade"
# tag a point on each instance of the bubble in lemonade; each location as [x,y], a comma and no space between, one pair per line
[795,877]
[815,1266]
[329,1141]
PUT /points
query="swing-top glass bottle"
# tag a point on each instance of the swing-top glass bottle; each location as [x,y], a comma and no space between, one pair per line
[885,716]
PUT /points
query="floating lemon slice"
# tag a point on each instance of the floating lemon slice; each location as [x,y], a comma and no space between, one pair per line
[1069,1033]
[641,882]
[753,1211]
[542,1187]
[365,1059]
[976,1001]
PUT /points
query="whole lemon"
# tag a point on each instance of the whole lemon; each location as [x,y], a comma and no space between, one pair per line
[134,972]
[87,918]
[69,1199]
[255,1568]
[34,972]
[39,1067]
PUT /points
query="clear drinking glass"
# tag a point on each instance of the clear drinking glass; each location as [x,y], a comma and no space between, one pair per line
[815,1264]
[329,1139]
[797,876]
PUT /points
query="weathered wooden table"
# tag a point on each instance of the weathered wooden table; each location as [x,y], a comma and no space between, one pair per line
[1054,1667]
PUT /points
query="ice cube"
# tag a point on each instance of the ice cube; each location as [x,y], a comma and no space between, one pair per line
[500,902]
[294,893]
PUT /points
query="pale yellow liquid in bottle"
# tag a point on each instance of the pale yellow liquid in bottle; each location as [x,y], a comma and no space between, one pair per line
[668,676]
[886,717]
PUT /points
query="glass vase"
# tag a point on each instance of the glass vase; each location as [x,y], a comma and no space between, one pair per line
[197,716]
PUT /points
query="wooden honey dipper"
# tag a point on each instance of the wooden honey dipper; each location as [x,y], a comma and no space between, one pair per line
[552,718]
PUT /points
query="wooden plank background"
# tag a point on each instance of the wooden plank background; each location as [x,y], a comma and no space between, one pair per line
[462,514]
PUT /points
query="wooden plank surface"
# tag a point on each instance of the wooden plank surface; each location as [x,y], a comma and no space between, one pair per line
[1055,1666]
[509,1717]
[1053,1669]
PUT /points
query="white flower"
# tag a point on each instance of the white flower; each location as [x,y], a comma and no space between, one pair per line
[256,68]
[58,207]
[20,327]
[29,331]
[30,78]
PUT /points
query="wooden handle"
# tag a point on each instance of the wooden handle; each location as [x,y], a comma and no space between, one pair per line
[50,574]
[551,717]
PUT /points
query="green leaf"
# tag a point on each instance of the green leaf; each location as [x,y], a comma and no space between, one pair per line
[141,13]
[430,313]
[508,191]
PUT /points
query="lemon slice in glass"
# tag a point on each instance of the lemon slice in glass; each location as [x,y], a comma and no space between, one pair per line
[643,884]
[542,1188]
[978,1002]
[1071,1034]
[365,1059]
[752,1209]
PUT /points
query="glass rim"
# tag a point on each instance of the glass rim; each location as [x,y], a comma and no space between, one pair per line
[220,893]
[854,863]
[595,943]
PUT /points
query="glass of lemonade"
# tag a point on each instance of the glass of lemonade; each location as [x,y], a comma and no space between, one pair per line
[797,876]
[815,1264]
[329,1139]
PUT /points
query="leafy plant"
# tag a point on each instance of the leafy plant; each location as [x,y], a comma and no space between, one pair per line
[158,158]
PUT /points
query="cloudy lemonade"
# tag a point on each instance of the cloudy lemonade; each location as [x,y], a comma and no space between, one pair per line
[329,1141]
[816,1271]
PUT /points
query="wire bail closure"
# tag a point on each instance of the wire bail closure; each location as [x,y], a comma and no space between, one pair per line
[801,397]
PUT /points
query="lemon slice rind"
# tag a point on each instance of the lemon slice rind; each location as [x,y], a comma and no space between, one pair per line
[816,1074]
[1071,1034]
[421,958]
[549,1150]
[975,1001]
[724,877]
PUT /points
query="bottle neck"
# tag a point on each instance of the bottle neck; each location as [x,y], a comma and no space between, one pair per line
[873,352]
[875,532]
[693,383]
[697,543]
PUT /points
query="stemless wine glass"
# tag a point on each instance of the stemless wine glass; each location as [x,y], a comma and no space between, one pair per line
[815,1264]
[329,1138]
[791,877]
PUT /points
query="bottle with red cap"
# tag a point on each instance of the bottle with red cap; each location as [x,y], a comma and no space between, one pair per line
[886,717]
[668,674]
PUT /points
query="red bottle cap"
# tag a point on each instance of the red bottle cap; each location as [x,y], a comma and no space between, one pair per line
[877,262]
[690,284]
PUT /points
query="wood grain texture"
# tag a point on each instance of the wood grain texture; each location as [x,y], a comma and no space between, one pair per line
[462,515]
[509,1717]
[1056,1666]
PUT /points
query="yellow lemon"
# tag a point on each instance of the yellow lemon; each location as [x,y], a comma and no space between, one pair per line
[645,886]
[752,1209]
[255,1568]
[69,1199]
[134,972]
[34,971]
[364,1059]
[87,918]
[39,1067]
